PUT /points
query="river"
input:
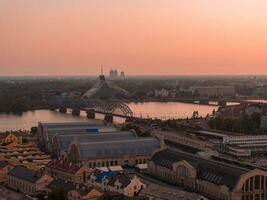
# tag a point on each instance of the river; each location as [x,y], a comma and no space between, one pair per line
[148,109]
[169,110]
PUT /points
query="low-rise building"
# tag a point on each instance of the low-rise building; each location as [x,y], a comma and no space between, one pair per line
[119,183]
[84,193]
[162,93]
[214,90]
[213,179]
[241,110]
[75,173]
[24,154]
[5,167]
[28,181]
[11,137]
[60,184]
[244,145]
[74,191]
[254,108]
[231,112]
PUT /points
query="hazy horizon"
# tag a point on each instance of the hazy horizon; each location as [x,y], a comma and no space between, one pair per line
[152,37]
[142,75]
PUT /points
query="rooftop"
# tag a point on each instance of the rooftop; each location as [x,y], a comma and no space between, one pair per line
[212,171]
[83,129]
[3,163]
[25,174]
[211,134]
[117,148]
[123,179]
[64,166]
[16,133]
[61,184]
[101,175]
[71,124]
[66,139]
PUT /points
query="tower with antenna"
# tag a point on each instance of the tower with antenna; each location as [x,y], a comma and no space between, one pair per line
[101,72]
[101,77]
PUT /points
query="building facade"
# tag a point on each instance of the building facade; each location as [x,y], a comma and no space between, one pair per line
[131,152]
[244,146]
[105,147]
[61,142]
[75,173]
[46,131]
[28,181]
[214,90]
[5,167]
[213,179]
[118,183]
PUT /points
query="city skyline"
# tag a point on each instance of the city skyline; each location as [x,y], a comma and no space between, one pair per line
[140,38]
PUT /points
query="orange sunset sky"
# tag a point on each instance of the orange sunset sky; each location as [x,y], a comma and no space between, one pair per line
[170,37]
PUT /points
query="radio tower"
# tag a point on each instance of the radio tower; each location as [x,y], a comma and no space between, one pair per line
[101,76]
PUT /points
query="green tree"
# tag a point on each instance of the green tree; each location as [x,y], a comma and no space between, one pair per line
[34,130]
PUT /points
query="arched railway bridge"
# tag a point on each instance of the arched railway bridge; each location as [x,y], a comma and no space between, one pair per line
[110,109]
[107,108]
[116,108]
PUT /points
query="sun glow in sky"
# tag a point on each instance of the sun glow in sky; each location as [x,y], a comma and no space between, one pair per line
[170,37]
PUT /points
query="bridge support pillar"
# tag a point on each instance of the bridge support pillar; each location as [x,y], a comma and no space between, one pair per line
[204,101]
[90,114]
[76,111]
[109,117]
[222,103]
[63,110]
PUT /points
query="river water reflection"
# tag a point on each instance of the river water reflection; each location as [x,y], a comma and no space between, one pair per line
[169,109]
[147,109]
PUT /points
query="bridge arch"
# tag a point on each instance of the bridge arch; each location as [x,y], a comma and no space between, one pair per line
[119,108]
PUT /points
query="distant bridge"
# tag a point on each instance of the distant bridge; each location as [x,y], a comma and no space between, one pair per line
[116,108]
[112,109]
[109,109]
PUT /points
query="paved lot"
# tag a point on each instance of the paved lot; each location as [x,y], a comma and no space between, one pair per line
[158,189]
